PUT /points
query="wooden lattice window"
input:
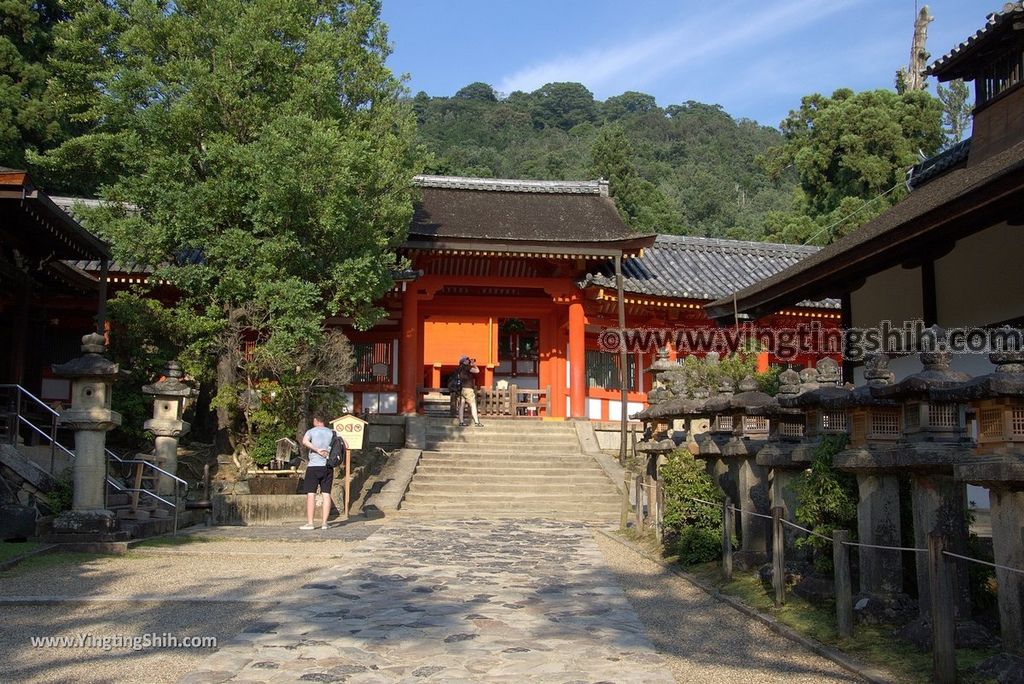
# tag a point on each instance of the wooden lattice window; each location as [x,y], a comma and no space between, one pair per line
[1017,422]
[990,424]
[885,423]
[755,424]
[833,421]
[912,417]
[944,415]
[723,424]
[793,430]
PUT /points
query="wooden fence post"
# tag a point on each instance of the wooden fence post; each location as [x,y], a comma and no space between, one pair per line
[639,503]
[943,607]
[844,588]
[727,538]
[624,512]
[659,500]
[778,557]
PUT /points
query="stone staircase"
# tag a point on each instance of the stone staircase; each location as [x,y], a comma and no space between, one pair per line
[509,468]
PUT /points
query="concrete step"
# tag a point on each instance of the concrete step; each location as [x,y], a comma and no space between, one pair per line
[486,499]
[447,488]
[550,441]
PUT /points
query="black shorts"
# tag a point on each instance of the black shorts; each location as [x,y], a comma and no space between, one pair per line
[318,475]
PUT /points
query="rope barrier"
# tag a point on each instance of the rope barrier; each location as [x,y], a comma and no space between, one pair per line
[709,503]
[741,512]
[994,565]
[886,548]
[816,534]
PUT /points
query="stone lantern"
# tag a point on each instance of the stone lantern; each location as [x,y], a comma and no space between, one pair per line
[725,472]
[747,411]
[874,428]
[934,439]
[90,416]
[998,399]
[170,396]
[786,430]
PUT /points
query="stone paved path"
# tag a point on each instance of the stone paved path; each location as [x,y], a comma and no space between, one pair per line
[451,601]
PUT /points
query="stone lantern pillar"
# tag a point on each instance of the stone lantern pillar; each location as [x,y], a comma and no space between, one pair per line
[998,399]
[933,440]
[169,399]
[723,471]
[90,416]
[749,434]
[786,429]
[874,429]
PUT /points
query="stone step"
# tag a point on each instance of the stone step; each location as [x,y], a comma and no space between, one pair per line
[513,460]
[551,441]
[457,471]
[515,508]
[445,488]
[554,499]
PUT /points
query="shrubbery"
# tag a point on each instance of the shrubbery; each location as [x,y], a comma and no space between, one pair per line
[694,529]
[828,500]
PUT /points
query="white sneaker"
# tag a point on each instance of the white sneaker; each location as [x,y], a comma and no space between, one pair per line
[307,526]
[324,527]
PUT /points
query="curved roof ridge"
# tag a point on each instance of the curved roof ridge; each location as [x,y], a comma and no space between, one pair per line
[992,20]
[588,187]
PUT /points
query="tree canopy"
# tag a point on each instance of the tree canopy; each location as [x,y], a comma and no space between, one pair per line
[257,151]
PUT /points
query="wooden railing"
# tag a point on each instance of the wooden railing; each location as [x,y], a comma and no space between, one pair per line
[514,402]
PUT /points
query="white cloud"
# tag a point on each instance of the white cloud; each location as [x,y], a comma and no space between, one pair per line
[707,33]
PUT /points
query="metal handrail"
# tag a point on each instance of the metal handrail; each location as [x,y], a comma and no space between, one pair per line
[54,444]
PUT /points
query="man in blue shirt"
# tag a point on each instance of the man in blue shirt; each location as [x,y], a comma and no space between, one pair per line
[318,440]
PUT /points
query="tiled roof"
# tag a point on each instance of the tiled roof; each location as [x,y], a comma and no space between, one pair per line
[1011,12]
[516,211]
[598,187]
[702,268]
[934,167]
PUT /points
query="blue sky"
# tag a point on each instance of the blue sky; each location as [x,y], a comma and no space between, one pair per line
[756,59]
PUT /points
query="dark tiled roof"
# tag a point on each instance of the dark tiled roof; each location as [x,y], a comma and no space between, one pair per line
[947,66]
[908,226]
[934,167]
[702,268]
[515,210]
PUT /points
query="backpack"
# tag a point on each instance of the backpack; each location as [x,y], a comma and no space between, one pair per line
[455,382]
[337,452]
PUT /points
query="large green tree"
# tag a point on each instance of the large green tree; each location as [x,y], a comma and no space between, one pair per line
[853,148]
[256,150]
[26,121]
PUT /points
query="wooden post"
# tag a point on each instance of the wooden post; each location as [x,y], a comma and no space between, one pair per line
[651,494]
[624,511]
[844,589]
[727,539]
[348,480]
[940,576]
[660,507]
[778,558]
[639,497]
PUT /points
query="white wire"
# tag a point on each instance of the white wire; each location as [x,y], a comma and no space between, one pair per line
[994,565]
[856,211]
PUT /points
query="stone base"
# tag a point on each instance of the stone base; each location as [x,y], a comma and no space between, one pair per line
[1003,668]
[749,560]
[894,609]
[85,522]
[968,634]
[17,522]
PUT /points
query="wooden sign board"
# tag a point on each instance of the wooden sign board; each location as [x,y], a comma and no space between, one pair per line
[351,429]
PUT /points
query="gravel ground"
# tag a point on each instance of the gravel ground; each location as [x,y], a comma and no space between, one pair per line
[205,588]
[704,640]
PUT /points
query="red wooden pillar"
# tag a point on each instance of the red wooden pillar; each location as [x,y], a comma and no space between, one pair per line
[408,350]
[577,360]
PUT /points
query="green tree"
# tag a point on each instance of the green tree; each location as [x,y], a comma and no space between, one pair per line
[26,121]
[856,145]
[263,158]
[563,105]
[642,206]
[477,91]
[956,110]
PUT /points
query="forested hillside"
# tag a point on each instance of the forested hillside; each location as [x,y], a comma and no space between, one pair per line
[688,168]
